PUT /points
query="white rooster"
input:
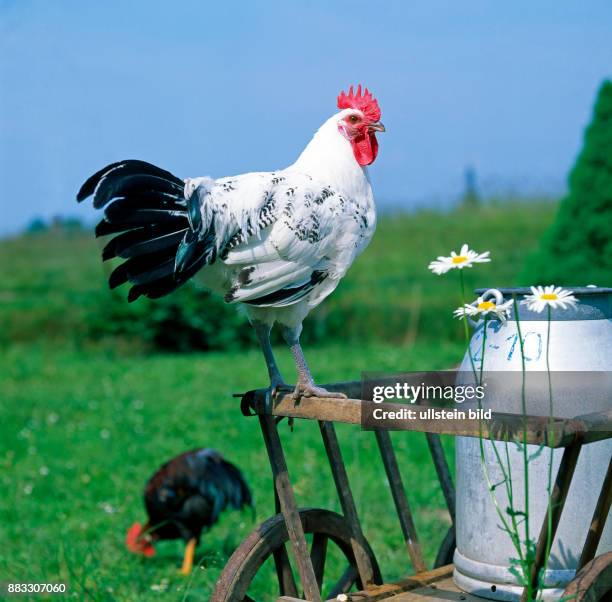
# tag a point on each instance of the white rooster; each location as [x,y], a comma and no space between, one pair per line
[277,242]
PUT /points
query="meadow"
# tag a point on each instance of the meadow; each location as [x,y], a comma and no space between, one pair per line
[89,413]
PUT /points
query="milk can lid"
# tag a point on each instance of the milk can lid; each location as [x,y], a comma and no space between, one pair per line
[576,290]
[594,303]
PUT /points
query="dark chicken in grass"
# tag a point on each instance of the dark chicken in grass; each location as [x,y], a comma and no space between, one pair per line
[186,496]
[278,243]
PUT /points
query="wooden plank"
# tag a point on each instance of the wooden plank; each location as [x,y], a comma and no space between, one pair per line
[401,501]
[439,591]
[444,476]
[598,522]
[501,427]
[557,502]
[330,441]
[597,421]
[284,572]
[289,508]
[388,590]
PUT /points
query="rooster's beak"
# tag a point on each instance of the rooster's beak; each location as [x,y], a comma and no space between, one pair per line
[377,127]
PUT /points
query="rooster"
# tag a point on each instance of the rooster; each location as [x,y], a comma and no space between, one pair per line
[276,242]
[185,496]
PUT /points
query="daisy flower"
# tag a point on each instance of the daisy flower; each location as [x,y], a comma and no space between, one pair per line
[549,296]
[485,307]
[464,259]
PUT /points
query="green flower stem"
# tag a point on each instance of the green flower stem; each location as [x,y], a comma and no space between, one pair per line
[510,494]
[527,566]
[484,341]
[512,528]
[465,323]
[551,434]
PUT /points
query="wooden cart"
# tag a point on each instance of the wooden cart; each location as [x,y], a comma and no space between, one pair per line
[324,528]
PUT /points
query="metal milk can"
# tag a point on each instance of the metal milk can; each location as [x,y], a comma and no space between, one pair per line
[580,343]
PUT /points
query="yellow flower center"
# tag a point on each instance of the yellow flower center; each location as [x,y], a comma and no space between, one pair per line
[549,297]
[485,305]
[459,259]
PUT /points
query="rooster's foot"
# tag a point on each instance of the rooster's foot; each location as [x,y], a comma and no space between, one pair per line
[188,558]
[277,388]
[312,390]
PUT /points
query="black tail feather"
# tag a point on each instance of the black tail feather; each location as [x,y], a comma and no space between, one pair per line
[194,250]
[241,494]
[223,482]
[138,270]
[194,213]
[118,276]
[90,184]
[163,286]
[160,233]
[121,212]
[105,228]
[127,167]
[116,184]
[141,241]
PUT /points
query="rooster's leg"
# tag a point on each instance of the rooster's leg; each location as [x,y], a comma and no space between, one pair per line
[263,334]
[305,385]
[188,558]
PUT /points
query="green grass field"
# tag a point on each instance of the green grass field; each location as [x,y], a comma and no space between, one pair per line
[84,422]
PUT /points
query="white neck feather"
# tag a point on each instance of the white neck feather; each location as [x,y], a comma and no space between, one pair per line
[329,158]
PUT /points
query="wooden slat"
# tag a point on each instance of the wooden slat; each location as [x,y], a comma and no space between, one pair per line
[284,572]
[289,508]
[503,426]
[443,471]
[401,501]
[557,502]
[330,441]
[388,590]
[443,590]
[598,522]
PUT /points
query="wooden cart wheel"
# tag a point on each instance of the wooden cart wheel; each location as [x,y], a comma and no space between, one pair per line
[593,582]
[260,568]
[447,549]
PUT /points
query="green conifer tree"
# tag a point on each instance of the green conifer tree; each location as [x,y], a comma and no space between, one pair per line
[577,248]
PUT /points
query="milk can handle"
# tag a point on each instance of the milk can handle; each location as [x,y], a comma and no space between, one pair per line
[488,294]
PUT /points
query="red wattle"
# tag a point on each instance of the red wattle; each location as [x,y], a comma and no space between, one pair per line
[365,148]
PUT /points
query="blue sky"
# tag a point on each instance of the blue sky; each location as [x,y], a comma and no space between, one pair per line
[226,87]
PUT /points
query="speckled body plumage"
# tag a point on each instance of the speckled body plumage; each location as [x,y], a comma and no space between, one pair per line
[274,230]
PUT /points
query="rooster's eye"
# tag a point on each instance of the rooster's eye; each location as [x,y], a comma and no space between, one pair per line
[353,119]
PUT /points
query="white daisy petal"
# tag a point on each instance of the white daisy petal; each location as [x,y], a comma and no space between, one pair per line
[549,296]
[466,258]
[485,307]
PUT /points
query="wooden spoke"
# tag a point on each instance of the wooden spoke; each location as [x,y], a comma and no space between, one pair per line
[345,582]
[284,572]
[318,553]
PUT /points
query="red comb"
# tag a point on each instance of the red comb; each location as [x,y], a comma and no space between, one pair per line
[365,102]
[136,543]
